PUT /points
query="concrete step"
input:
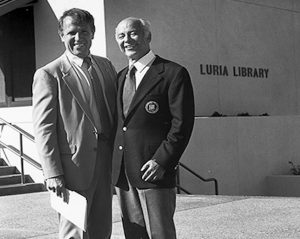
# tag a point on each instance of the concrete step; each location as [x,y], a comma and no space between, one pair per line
[21,188]
[14,179]
[2,162]
[7,170]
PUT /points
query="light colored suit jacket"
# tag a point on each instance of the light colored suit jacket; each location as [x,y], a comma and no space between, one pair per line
[65,134]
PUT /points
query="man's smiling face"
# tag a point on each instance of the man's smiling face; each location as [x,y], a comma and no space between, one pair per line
[132,40]
[77,37]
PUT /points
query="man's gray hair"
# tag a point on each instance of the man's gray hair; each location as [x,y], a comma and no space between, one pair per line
[145,24]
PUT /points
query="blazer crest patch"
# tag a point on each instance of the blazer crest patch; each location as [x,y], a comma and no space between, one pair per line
[152,107]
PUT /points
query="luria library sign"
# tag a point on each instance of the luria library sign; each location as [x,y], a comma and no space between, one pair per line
[236,71]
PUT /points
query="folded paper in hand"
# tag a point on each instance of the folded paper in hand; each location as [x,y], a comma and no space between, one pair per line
[75,209]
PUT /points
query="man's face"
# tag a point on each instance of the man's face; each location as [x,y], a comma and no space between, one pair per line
[77,37]
[132,40]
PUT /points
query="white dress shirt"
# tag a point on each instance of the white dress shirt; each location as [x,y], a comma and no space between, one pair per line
[86,85]
[142,66]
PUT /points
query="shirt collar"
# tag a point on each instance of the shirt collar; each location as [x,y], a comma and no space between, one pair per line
[144,61]
[75,59]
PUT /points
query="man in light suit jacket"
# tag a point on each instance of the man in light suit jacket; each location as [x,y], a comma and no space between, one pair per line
[73,118]
[152,133]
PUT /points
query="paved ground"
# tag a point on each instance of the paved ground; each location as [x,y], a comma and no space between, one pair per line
[197,217]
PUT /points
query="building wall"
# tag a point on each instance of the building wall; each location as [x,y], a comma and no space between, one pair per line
[2,88]
[47,43]
[238,151]
[256,34]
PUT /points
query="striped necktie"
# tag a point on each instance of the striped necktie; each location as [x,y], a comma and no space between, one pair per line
[99,110]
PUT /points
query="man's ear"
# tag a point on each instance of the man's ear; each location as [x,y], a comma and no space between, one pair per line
[61,36]
[149,37]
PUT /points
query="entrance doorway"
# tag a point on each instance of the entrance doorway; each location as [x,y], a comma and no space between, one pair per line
[17,54]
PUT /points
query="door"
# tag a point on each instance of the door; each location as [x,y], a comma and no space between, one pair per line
[17,53]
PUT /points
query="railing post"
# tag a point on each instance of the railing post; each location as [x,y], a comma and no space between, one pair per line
[17,151]
[21,157]
[216,187]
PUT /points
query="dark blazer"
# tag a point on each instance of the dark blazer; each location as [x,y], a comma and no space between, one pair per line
[158,125]
[63,124]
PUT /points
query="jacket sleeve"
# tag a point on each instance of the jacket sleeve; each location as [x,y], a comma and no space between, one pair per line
[44,114]
[181,106]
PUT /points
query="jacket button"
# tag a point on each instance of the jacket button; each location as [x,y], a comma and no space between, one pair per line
[124,129]
[120,147]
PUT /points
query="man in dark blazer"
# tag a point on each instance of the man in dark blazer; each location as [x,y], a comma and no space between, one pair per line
[153,132]
[74,124]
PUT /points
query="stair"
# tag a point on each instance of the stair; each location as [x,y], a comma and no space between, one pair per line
[7,170]
[10,181]
[2,162]
[13,179]
[13,189]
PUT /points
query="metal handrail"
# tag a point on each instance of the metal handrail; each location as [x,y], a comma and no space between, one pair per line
[196,175]
[182,189]
[24,156]
[31,161]
[20,152]
[18,129]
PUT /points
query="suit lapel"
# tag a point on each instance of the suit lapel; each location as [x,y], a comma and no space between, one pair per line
[108,90]
[151,78]
[72,81]
[121,80]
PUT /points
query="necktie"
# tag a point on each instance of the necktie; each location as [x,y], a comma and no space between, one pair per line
[98,108]
[129,89]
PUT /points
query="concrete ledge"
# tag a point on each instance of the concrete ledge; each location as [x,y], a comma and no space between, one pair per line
[283,185]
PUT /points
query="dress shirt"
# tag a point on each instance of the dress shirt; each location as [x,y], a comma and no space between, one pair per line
[86,85]
[142,66]
[77,62]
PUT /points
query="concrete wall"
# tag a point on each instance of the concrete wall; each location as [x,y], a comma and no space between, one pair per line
[232,33]
[240,152]
[2,88]
[47,43]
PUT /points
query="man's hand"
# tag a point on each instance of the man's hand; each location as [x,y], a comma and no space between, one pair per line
[57,185]
[153,171]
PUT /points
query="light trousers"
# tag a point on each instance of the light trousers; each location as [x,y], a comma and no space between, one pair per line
[99,199]
[148,213]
